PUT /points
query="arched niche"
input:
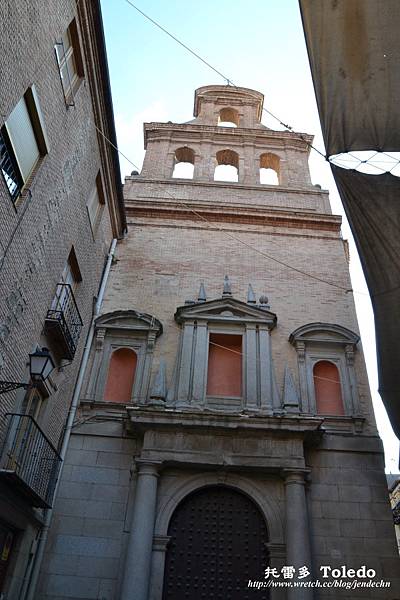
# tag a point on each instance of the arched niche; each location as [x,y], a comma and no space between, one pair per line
[332,343]
[121,376]
[123,348]
[327,388]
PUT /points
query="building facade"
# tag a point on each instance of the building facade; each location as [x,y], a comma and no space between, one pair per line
[394,495]
[61,206]
[225,421]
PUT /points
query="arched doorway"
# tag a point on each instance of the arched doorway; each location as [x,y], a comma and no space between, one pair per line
[218,542]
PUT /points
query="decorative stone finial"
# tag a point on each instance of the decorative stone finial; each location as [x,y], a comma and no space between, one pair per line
[264,302]
[202,297]
[251,297]
[227,287]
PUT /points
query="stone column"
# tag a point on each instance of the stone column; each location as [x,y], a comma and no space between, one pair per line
[137,569]
[160,545]
[298,551]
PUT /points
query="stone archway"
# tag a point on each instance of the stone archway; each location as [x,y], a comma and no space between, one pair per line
[217,543]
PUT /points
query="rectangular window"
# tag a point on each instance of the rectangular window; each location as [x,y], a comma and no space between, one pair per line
[224,365]
[95,204]
[66,287]
[69,61]
[22,142]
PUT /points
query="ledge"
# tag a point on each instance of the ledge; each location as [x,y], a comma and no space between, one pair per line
[298,140]
[142,418]
[260,187]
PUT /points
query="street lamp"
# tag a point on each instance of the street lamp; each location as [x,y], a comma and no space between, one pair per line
[40,366]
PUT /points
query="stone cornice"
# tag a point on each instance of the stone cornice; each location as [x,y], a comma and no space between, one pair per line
[141,418]
[262,187]
[228,213]
[240,135]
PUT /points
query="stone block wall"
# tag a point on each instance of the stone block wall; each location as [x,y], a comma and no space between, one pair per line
[350,518]
[85,550]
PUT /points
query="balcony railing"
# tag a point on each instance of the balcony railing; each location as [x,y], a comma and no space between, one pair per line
[63,321]
[29,461]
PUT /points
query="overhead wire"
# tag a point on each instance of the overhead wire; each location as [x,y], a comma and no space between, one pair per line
[230,82]
[236,238]
[258,360]
[224,77]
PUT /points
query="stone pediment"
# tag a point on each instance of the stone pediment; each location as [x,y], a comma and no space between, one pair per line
[226,310]
[324,333]
[130,320]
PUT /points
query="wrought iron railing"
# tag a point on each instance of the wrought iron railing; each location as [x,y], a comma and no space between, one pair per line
[64,314]
[9,169]
[29,459]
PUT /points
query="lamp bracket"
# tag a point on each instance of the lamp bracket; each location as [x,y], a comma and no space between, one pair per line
[8,386]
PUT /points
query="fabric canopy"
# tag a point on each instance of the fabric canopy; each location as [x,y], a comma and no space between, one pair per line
[354,52]
[372,206]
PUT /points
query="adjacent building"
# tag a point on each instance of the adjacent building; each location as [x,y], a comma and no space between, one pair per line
[61,206]
[394,495]
[225,421]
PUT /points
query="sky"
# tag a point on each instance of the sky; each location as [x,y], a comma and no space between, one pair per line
[257,44]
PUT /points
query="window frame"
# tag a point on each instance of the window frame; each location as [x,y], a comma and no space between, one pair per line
[315,342]
[36,122]
[97,192]
[218,398]
[71,55]
[227,316]
[116,330]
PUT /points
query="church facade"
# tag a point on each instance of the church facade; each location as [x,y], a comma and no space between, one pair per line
[225,423]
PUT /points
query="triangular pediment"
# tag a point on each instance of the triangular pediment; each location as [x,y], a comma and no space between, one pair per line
[226,309]
[129,319]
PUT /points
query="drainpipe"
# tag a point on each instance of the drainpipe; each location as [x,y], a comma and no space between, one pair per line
[31,579]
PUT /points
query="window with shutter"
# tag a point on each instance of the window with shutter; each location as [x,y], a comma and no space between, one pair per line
[69,62]
[23,142]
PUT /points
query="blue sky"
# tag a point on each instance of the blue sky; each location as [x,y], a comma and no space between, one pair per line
[257,44]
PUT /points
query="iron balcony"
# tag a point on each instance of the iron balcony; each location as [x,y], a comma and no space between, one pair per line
[29,461]
[63,324]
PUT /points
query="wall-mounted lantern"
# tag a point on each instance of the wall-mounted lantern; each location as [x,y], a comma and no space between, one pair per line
[40,366]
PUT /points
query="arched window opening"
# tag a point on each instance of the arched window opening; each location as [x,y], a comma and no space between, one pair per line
[224,365]
[328,392]
[269,169]
[183,163]
[227,168]
[121,376]
[228,117]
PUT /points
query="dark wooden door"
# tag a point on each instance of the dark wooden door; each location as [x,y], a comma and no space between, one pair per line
[217,544]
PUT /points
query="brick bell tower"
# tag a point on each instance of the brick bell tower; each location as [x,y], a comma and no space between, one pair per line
[228,368]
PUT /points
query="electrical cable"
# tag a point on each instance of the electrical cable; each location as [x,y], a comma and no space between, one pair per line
[231,83]
[237,239]
[227,79]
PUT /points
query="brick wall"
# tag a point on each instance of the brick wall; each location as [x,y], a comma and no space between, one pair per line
[51,217]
